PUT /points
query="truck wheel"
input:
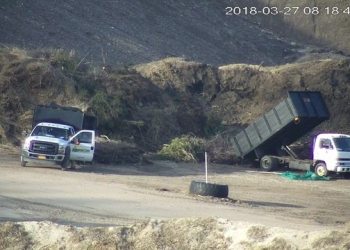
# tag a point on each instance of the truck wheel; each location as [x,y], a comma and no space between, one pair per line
[346,176]
[66,160]
[321,169]
[23,163]
[269,163]
[209,189]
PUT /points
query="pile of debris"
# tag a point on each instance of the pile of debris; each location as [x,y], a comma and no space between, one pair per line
[110,151]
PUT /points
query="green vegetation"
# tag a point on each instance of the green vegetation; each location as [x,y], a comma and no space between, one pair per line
[66,60]
[107,109]
[213,124]
[185,148]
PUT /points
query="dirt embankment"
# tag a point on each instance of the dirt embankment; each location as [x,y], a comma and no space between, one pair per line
[152,103]
[239,93]
[172,234]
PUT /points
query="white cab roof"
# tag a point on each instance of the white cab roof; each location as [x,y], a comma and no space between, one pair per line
[330,135]
[54,125]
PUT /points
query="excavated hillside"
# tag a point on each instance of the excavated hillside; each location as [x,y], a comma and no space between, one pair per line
[152,103]
[149,71]
[131,32]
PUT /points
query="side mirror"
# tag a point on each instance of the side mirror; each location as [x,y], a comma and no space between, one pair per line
[25,133]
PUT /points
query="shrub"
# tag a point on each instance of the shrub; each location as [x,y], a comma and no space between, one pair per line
[107,107]
[185,148]
[213,124]
[65,60]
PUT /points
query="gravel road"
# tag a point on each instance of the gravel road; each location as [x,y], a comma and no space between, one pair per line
[118,195]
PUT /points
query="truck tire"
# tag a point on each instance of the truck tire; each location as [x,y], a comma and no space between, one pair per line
[66,160]
[209,189]
[321,169]
[23,163]
[269,163]
[346,176]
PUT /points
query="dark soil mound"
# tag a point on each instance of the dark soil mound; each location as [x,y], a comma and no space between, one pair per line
[328,26]
[132,32]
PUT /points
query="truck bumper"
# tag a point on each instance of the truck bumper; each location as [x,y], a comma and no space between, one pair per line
[343,169]
[35,157]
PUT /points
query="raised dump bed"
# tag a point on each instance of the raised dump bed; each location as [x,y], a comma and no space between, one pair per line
[63,115]
[292,118]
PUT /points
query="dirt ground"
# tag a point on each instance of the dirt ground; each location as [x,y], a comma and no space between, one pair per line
[149,207]
[118,195]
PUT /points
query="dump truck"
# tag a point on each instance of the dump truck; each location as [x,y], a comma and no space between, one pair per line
[61,135]
[268,138]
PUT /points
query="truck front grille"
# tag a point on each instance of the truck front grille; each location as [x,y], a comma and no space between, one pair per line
[43,147]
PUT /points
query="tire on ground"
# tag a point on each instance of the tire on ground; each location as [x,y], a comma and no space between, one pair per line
[209,189]
[269,163]
[66,160]
[321,169]
[23,163]
[346,176]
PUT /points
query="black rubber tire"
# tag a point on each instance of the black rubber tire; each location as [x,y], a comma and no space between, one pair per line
[269,163]
[346,176]
[209,189]
[321,169]
[73,165]
[23,163]
[66,161]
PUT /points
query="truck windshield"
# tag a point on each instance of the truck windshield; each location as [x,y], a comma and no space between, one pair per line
[51,132]
[342,143]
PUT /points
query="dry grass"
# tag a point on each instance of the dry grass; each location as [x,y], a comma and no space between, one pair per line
[154,234]
[183,76]
[13,236]
[170,234]
[181,234]
[278,244]
[334,240]
[257,233]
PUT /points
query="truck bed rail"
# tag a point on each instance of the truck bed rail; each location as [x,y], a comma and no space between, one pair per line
[292,118]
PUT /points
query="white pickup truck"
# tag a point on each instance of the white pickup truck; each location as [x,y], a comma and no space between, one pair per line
[58,142]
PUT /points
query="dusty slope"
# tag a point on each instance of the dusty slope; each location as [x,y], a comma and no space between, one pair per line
[130,32]
[154,102]
[172,234]
[322,28]
[238,93]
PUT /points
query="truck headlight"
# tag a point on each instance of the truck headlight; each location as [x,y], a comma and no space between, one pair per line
[26,144]
[61,149]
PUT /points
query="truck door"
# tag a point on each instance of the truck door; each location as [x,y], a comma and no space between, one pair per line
[82,146]
[324,150]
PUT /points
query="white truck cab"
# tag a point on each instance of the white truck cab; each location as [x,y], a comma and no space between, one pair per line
[331,153]
[58,143]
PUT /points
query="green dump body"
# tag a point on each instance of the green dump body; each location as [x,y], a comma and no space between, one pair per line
[292,118]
